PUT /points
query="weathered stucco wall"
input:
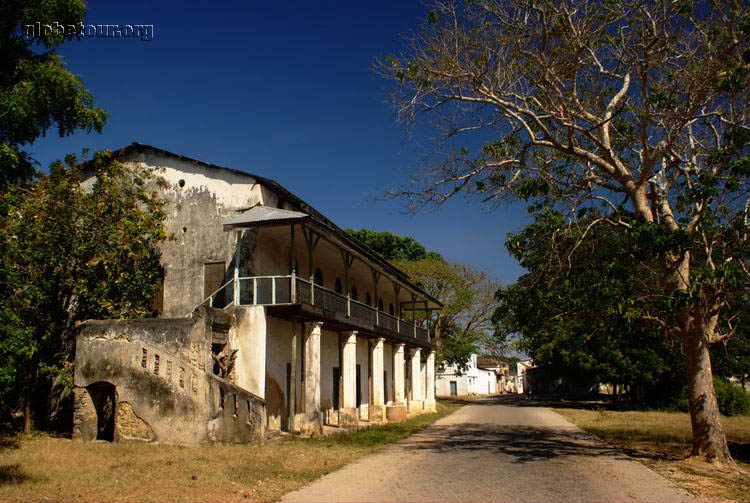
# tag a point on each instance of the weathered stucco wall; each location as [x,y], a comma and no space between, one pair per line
[200,199]
[249,338]
[150,380]
[278,355]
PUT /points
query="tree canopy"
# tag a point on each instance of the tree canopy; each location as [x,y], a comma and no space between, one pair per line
[638,110]
[70,255]
[577,309]
[37,92]
[393,247]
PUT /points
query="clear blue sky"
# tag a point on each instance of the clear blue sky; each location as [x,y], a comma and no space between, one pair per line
[283,90]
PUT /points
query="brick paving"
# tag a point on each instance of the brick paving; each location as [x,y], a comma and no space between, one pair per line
[494,450]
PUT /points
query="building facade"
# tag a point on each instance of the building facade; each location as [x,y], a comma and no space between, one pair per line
[472,380]
[271,317]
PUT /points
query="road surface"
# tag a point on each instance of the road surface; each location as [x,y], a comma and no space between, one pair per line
[494,450]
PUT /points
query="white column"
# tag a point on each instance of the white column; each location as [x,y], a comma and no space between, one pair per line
[429,402]
[377,410]
[348,414]
[399,388]
[417,390]
[313,421]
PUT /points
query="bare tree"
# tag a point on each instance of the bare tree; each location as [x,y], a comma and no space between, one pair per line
[637,107]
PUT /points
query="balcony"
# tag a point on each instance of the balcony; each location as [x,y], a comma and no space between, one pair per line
[291,291]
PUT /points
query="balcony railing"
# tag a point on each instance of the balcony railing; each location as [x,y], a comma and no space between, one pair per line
[281,290]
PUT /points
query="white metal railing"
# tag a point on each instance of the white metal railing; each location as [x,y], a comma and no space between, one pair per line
[290,289]
[218,298]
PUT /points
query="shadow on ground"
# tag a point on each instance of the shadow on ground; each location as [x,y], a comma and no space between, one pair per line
[10,473]
[521,443]
[586,402]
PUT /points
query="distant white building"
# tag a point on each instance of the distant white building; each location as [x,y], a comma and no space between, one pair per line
[450,380]
[522,382]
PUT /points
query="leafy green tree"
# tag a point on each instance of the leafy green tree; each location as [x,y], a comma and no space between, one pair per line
[464,325]
[71,253]
[37,92]
[393,247]
[575,312]
[638,108]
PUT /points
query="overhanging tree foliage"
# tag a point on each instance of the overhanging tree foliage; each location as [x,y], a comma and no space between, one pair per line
[70,255]
[37,92]
[637,108]
[578,308]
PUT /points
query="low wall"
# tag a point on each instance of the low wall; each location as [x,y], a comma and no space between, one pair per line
[150,380]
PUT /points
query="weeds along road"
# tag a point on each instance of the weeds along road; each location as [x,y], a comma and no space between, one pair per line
[496,449]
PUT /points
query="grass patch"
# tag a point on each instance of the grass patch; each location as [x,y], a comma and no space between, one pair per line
[662,440]
[377,436]
[45,467]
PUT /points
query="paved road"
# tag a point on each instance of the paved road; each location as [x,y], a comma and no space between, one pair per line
[495,450]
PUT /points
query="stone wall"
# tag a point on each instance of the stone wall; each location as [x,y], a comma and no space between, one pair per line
[151,380]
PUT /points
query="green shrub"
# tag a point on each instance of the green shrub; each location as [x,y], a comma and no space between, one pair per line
[733,399]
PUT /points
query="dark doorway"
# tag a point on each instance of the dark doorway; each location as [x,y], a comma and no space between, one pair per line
[454,388]
[359,385]
[385,386]
[336,378]
[288,385]
[103,396]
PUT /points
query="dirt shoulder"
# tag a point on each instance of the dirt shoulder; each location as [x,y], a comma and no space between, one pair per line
[662,441]
[59,469]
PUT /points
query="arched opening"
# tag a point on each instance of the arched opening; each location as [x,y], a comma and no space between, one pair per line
[368,299]
[103,395]
[390,309]
[380,304]
[318,277]
[339,289]
[355,293]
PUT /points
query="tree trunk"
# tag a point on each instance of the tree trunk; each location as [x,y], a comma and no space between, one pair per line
[27,422]
[438,334]
[709,440]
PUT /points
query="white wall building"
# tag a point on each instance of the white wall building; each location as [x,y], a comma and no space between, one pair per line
[450,380]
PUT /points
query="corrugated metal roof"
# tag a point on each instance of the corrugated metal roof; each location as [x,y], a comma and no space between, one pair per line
[264,215]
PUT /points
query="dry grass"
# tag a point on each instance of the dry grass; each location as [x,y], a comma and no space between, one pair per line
[662,441]
[47,468]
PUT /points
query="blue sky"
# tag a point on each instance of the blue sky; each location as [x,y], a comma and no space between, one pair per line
[285,91]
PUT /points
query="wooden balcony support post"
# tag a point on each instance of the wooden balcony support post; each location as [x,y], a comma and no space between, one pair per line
[292,266]
[238,235]
[396,291]
[414,313]
[348,259]
[311,240]
[375,280]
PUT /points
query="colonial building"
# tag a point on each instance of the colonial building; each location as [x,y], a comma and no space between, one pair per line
[272,317]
